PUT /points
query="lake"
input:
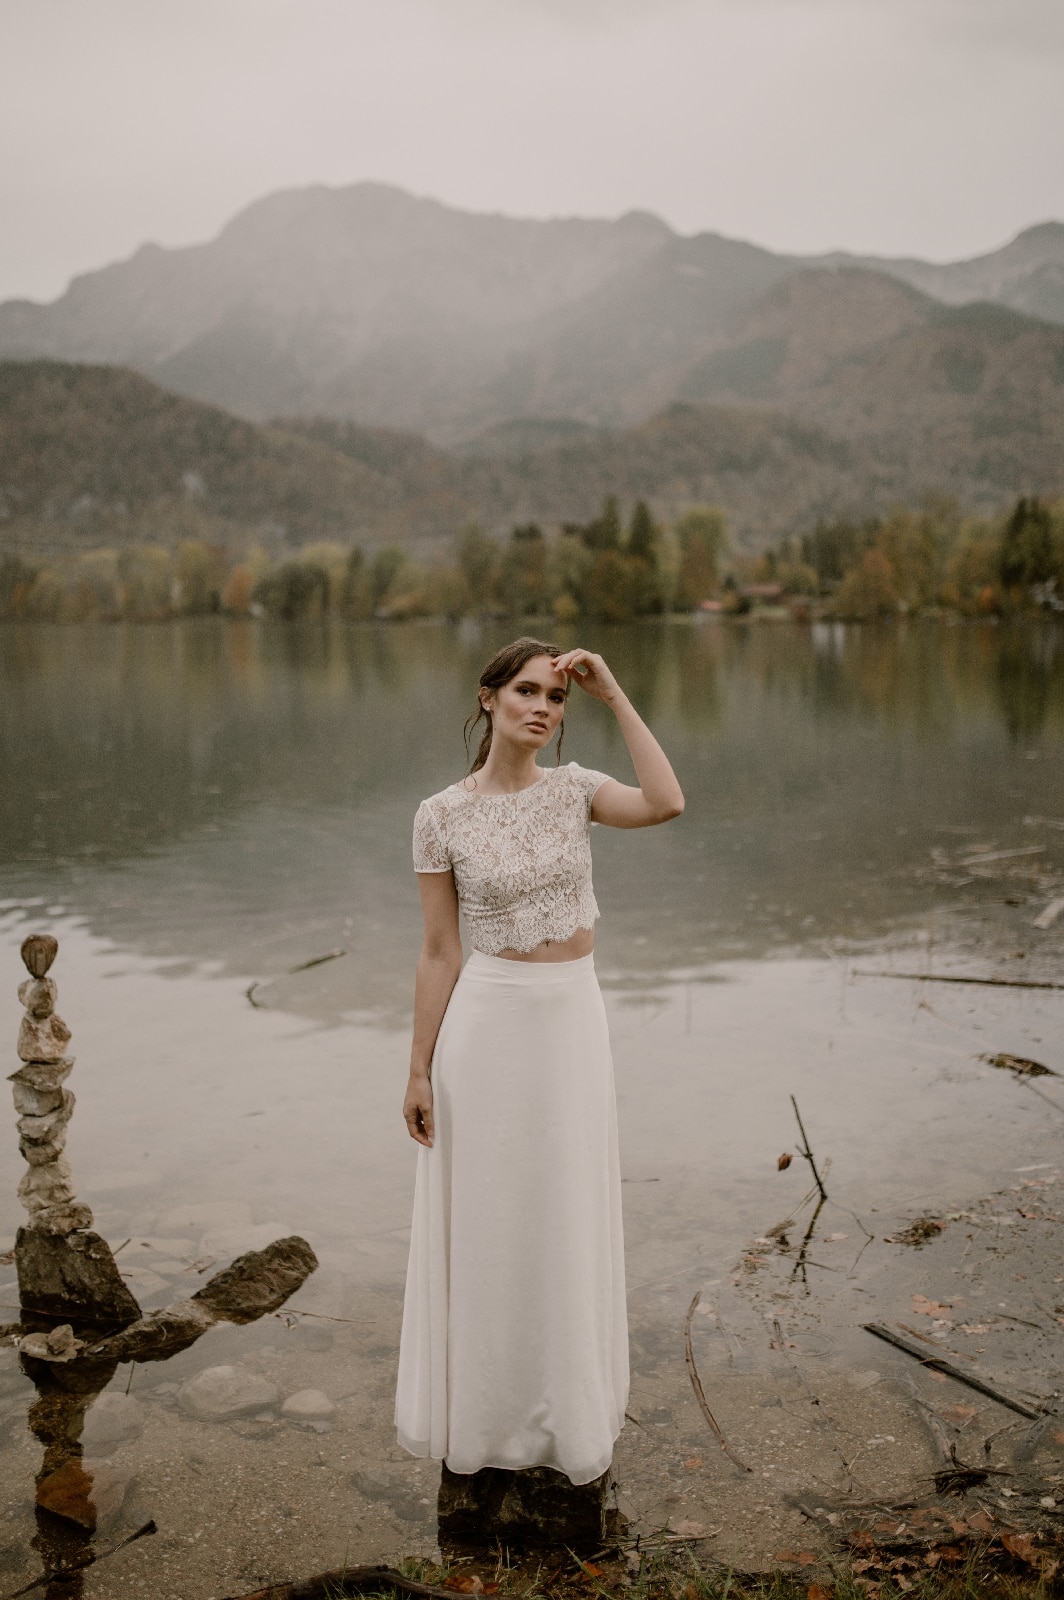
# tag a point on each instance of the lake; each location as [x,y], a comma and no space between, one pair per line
[197,809]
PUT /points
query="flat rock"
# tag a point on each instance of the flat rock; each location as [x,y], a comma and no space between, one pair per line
[308,1405]
[260,1281]
[113,1419]
[43,1075]
[38,995]
[160,1334]
[85,1492]
[218,1394]
[72,1277]
[70,1218]
[47,1186]
[44,1127]
[43,1155]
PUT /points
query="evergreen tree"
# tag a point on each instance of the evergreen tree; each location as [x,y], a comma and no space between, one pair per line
[1026,555]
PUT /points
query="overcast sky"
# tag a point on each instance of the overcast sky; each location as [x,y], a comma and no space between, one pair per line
[926,127]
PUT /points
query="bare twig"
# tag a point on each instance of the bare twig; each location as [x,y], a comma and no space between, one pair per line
[87,1559]
[940,977]
[348,1581]
[696,1385]
[807,1153]
[304,966]
[939,1364]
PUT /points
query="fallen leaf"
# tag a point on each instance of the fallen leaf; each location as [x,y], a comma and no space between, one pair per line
[939,1377]
[958,1413]
[469,1584]
[799,1558]
[687,1530]
[784,1161]
[981,1522]
[590,1569]
[693,1463]
[1021,1545]
[1058,1436]
[816,1591]
[929,1308]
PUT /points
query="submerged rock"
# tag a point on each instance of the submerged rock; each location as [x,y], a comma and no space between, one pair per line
[308,1405]
[114,1419]
[85,1492]
[160,1334]
[71,1276]
[218,1394]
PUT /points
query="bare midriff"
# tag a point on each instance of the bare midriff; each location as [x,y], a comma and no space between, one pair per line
[580,943]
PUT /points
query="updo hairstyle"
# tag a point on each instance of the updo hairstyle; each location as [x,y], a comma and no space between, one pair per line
[504,666]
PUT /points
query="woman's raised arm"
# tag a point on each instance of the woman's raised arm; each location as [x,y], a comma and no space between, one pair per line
[619,805]
[438,967]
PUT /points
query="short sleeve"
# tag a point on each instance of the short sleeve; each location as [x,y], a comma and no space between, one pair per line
[589,782]
[430,851]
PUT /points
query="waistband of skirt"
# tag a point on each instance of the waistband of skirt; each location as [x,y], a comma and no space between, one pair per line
[498,969]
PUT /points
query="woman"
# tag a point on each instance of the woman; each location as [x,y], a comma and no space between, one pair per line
[514,1349]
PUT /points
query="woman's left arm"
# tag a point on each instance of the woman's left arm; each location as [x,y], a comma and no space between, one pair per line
[619,805]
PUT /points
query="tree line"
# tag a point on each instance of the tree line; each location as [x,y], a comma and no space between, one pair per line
[610,569]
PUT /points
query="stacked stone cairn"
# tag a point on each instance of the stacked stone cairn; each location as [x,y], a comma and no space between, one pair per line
[65,1271]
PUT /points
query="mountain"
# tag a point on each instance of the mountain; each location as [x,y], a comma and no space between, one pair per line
[370,304]
[1026,275]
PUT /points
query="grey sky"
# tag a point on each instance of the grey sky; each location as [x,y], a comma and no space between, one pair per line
[929,127]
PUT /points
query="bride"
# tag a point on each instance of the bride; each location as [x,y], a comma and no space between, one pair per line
[514,1349]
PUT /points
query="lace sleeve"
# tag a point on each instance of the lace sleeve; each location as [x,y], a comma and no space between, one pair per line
[430,850]
[589,781]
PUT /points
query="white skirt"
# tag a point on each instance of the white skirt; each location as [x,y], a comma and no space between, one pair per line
[514,1349]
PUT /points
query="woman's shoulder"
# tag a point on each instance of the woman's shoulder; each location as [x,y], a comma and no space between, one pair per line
[445,800]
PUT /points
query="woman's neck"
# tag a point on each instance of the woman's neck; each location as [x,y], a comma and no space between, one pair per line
[508,769]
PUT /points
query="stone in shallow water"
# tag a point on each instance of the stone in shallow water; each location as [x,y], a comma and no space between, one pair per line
[260,1281]
[534,1507]
[113,1419]
[71,1276]
[160,1334]
[86,1492]
[308,1405]
[219,1393]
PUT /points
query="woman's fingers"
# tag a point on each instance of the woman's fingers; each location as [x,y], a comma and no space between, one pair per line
[417,1114]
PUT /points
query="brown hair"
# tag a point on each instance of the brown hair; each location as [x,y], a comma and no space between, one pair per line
[504,666]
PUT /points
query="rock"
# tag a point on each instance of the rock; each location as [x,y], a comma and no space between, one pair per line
[42,1038]
[86,1492]
[402,1498]
[38,952]
[52,1122]
[38,995]
[308,1405]
[58,1346]
[113,1419]
[71,1276]
[43,1074]
[42,1155]
[532,1508]
[160,1334]
[62,1219]
[47,1186]
[35,1102]
[218,1394]
[260,1281]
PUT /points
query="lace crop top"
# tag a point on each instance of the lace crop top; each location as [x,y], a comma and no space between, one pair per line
[521,862]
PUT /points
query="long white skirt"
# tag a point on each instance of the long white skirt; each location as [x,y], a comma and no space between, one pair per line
[514,1349]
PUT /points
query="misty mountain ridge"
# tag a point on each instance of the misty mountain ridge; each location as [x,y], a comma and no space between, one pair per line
[368,304]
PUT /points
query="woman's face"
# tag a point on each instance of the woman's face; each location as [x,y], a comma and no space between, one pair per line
[528,709]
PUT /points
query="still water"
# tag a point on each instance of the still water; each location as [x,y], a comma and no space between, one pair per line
[195,809]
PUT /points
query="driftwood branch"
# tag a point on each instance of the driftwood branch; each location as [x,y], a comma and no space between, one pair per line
[304,966]
[935,977]
[696,1385]
[940,1364]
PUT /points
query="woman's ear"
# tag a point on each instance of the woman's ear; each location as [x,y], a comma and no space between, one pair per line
[486,700]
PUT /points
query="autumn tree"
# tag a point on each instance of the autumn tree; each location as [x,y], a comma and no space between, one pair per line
[703,537]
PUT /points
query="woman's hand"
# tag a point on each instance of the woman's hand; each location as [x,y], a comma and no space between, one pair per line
[590,672]
[417,1109]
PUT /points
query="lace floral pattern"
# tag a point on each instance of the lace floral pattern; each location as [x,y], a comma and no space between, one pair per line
[521,862]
